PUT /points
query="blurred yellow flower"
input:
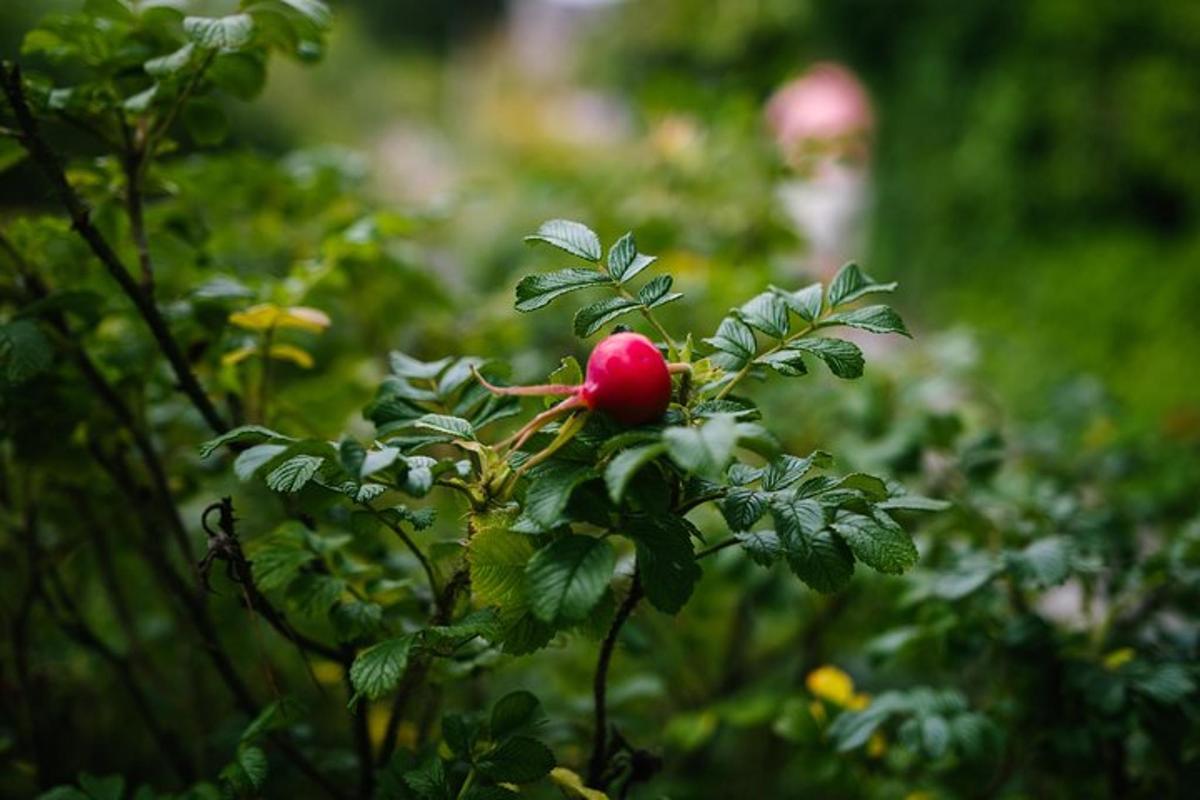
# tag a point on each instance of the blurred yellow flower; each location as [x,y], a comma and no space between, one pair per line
[268,315]
[876,745]
[832,684]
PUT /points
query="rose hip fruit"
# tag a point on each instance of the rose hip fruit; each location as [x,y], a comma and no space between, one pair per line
[628,379]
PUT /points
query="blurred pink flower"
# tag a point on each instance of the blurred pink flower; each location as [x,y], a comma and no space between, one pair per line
[826,103]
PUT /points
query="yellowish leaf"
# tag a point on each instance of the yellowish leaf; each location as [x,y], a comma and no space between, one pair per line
[288,352]
[572,785]
[256,318]
[239,355]
[1119,658]
[303,317]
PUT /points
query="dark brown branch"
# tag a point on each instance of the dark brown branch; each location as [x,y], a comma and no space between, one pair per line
[38,290]
[134,207]
[195,610]
[599,759]
[81,220]
[75,627]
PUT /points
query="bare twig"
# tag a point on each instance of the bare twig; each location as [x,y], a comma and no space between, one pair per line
[600,753]
[81,220]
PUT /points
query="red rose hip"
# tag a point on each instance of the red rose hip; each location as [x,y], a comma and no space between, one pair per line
[628,379]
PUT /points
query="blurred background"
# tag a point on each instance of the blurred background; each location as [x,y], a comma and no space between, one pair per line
[1029,169]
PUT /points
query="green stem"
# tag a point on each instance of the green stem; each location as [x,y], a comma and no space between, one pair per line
[784,342]
[462,792]
[412,546]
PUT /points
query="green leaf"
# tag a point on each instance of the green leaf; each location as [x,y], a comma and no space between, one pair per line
[456,427]
[293,474]
[874,488]
[735,339]
[231,32]
[592,318]
[788,363]
[356,619]
[743,507]
[625,465]
[483,623]
[205,121]
[621,256]
[536,291]
[843,358]
[763,547]
[550,490]
[513,713]
[912,502]
[876,319]
[851,283]
[172,63]
[788,469]
[250,461]
[241,435]
[277,560]
[657,292]
[573,237]
[1166,683]
[279,714]
[666,560]
[405,366]
[109,787]
[806,302]
[877,542]
[315,11]
[428,782]
[24,351]
[640,262]
[703,451]
[248,771]
[816,557]
[768,313]
[1045,563]
[378,669]
[243,75]
[568,576]
[517,760]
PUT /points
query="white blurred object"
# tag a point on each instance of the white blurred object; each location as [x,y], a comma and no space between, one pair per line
[822,123]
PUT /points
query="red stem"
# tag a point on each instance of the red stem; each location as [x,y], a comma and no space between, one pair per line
[526,391]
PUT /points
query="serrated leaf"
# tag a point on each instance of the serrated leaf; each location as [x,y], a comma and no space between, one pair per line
[785,471]
[1045,563]
[405,366]
[241,435]
[250,461]
[735,339]
[456,427]
[567,577]
[277,560]
[513,713]
[640,262]
[874,488]
[878,542]
[743,507]
[816,557]
[621,256]
[625,465]
[843,358]
[912,502]
[851,283]
[293,474]
[550,490]
[657,292]
[570,236]
[378,669]
[666,560]
[806,302]
[24,351]
[706,450]
[520,759]
[538,290]
[768,313]
[763,547]
[592,318]
[220,33]
[248,771]
[876,319]
[788,363]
